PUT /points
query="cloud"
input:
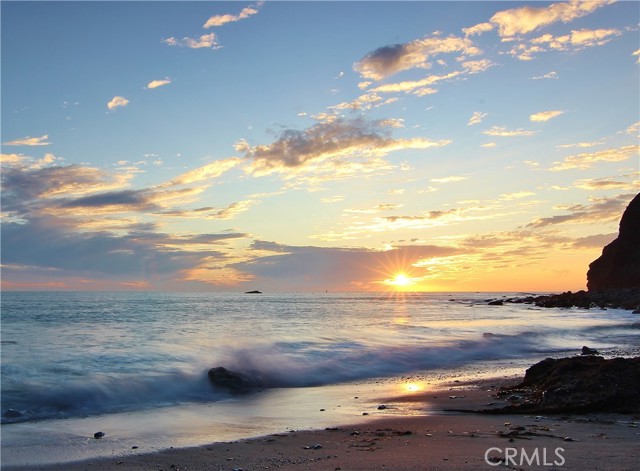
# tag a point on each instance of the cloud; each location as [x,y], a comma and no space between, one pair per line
[66,253]
[300,268]
[545,115]
[423,87]
[389,60]
[27,189]
[575,41]
[588,160]
[477,29]
[523,20]
[501,131]
[29,141]
[455,178]
[124,200]
[548,76]
[208,212]
[158,83]
[606,184]
[634,129]
[594,241]
[516,195]
[637,53]
[219,20]
[601,210]
[580,144]
[205,41]
[11,159]
[206,172]
[476,118]
[117,102]
[337,141]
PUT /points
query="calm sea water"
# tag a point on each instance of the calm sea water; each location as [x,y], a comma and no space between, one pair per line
[82,354]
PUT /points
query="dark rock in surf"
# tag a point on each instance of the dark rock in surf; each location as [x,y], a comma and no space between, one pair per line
[497,302]
[255,291]
[588,351]
[98,435]
[12,414]
[232,381]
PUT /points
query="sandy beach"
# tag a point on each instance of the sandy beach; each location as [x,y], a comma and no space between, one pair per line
[440,439]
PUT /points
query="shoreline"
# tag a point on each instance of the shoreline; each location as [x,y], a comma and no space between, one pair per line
[413,431]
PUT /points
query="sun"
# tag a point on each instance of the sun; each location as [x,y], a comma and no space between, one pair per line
[401,282]
[400,279]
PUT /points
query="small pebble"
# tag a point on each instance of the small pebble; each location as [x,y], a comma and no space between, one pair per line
[568,439]
[98,435]
[382,407]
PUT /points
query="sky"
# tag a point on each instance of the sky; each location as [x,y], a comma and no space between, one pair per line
[315,146]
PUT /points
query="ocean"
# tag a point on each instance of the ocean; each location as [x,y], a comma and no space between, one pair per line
[134,365]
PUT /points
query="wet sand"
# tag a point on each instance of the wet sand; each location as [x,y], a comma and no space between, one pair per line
[431,438]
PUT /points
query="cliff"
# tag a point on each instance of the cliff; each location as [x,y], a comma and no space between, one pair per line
[619,265]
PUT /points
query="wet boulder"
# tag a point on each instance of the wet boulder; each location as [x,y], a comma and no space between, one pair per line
[234,382]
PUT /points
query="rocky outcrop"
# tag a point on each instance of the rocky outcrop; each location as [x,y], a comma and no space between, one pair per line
[580,384]
[614,298]
[619,265]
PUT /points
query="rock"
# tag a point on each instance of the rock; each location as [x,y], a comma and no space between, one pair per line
[232,381]
[619,265]
[12,414]
[255,291]
[98,435]
[589,351]
[496,302]
[382,407]
[580,384]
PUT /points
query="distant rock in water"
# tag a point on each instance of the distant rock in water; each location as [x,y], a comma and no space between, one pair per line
[619,265]
[255,291]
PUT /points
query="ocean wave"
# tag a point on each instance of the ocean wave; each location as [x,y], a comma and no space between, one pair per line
[269,365]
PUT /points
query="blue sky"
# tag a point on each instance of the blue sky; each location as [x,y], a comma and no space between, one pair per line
[315,145]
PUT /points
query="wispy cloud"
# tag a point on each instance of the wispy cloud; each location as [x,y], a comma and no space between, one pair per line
[608,183]
[209,41]
[219,20]
[29,141]
[423,86]
[451,179]
[501,131]
[206,172]
[588,160]
[601,210]
[158,83]
[117,102]
[476,118]
[580,144]
[548,76]
[545,115]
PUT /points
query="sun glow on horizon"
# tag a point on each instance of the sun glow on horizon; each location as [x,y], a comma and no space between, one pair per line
[401,281]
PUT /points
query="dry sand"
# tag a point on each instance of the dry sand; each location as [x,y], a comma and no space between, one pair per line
[438,440]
